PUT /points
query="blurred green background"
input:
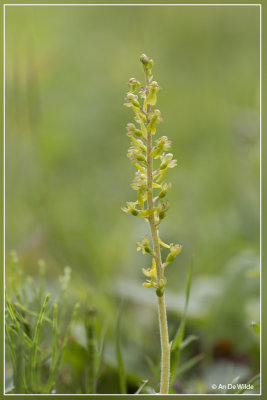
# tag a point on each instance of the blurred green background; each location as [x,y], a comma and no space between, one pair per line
[67,174]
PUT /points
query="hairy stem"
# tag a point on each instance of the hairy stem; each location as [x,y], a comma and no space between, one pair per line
[163,325]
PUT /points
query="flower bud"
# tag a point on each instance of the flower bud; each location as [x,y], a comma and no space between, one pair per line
[144,59]
[134,212]
[158,114]
[130,127]
[134,84]
[170,258]
[150,64]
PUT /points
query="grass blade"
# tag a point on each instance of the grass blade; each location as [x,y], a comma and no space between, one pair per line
[65,342]
[32,313]
[35,341]
[11,312]
[122,378]
[177,342]
[10,345]
[99,358]
[139,390]
[187,341]
[189,364]
[54,350]
[154,367]
[19,367]
[41,265]
[253,380]
[91,351]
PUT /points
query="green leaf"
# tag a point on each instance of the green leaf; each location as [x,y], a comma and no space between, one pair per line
[187,341]
[121,371]
[32,313]
[141,386]
[10,344]
[253,380]
[190,364]
[54,349]
[177,342]
[154,367]
[35,341]
[65,342]
[19,329]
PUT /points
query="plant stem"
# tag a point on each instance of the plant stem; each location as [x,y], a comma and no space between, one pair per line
[165,347]
[163,325]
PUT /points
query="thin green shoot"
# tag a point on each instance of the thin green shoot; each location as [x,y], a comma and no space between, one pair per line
[35,341]
[178,340]
[121,371]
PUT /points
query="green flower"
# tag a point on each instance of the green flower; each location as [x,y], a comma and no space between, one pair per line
[136,155]
[148,284]
[132,130]
[140,181]
[144,245]
[174,251]
[162,144]
[167,161]
[151,98]
[152,274]
[165,187]
[162,210]
[130,208]
[134,84]
[131,100]
[155,117]
[139,144]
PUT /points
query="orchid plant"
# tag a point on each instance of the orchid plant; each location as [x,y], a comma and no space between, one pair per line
[152,159]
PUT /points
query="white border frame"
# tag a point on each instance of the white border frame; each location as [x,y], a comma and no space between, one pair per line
[138,5]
